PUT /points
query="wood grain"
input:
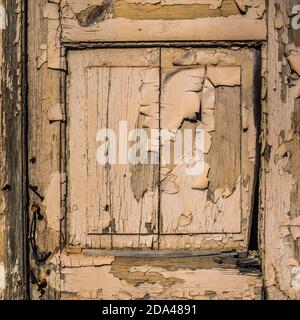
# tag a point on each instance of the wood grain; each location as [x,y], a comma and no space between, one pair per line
[106,195]
[14,167]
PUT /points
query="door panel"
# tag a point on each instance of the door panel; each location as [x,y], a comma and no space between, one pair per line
[114,203]
[105,199]
[210,202]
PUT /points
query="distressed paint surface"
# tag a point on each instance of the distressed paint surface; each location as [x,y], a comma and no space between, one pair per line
[157,283]
[102,199]
[162,21]
[94,11]
[188,209]
[74,280]
[142,278]
[279,191]
[120,203]
[44,150]
[281,167]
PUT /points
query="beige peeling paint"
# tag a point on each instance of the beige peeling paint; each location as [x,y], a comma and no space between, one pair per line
[206,29]
[150,282]
[213,4]
[224,76]
[201,182]
[296,278]
[188,99]
[52,202]
[3,17]
[52,13]
[115,207]
[2,276]
[294,60]
[180,97]
[209,96]
[149,105]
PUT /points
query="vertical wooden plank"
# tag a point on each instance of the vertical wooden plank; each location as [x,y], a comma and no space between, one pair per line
[92,125]
[77,150]
[224,157]
[2,182]
[44,137]
[98,93]
[14,117]
[280,189]
[131,211]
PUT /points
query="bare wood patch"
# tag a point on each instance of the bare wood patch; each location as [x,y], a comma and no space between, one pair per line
[141,11]
[93,14]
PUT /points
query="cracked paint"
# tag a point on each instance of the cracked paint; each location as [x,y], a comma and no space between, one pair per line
[111,277]
[52,202]
[2,276]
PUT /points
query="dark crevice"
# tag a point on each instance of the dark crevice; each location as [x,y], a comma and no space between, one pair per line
[254,236]
[254,229]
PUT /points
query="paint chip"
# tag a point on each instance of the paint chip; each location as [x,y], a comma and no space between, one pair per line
[185,219]
[187,59]
[52,202]
[2,277]
[180,97]
[294,60]
[296,277]
[208,96]
[224,76]
[201,182]
[169,186]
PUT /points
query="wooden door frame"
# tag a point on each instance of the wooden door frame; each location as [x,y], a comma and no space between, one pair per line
[14,166]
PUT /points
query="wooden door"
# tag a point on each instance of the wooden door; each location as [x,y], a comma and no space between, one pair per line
[159,206]
[123,229]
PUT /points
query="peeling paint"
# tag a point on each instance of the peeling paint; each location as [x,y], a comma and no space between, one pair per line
[295,278]
[2,277]
[188,96]
[180,97]
[209,96]
[224,76]
[170,10]
[52,202]
[55,58]
[94,14]
[169,185]
[201,182]
[294,60]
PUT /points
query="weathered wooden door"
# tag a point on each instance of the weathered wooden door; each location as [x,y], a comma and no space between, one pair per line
[122,216]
